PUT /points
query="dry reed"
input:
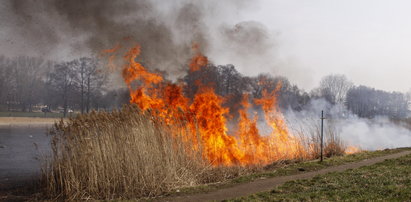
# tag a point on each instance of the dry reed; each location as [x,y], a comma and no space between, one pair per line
[309,132]
[131,154]
[122,154]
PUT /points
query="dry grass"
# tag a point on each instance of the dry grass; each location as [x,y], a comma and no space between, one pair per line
[130,154]
[124,154]
[117,155]
[309,132]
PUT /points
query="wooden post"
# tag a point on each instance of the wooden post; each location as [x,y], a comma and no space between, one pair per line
[322,134]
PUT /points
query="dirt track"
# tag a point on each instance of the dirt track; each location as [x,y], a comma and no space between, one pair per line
[268,184]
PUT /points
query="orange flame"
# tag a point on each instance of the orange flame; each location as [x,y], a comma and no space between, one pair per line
[352,150]
[198,60]
[206,115]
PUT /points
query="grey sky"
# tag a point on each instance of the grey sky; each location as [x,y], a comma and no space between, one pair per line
[368,40]
[304,40]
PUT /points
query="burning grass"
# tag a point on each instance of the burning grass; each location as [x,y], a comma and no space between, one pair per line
[166,140]
[205,117]
[128,154]
[124,154]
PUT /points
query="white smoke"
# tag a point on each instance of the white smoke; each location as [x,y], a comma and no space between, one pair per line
[368,134]
[377,133]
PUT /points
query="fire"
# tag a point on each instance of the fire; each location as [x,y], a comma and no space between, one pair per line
[207,118]
[352,150]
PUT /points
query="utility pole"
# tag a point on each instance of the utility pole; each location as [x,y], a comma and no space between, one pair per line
[322,134]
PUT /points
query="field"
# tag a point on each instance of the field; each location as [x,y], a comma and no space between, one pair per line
[389,180]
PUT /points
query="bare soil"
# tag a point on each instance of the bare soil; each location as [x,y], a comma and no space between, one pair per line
[270,183]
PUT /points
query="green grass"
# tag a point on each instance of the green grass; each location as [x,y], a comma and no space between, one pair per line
[388,180]
[34,114]
[287,168]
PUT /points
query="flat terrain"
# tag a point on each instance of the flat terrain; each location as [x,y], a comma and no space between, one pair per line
[26,121]
[262,185]
[389,180]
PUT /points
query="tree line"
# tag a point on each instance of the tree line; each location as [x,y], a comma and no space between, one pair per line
[82,85]
[337,89]
[30,83]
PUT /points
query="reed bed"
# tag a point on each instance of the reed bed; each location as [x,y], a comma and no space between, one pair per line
[122,154]
[309,133]
[130,154]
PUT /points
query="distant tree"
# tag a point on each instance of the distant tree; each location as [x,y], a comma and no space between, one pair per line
[263,82]
[89,78]
[23,82]
[62,80]
[4,76]
[224,79]
[114,99]
[230,84]
[289,96]
[292,97]
[334,88]
[8,83]
[369,102]
[207,75]
[229,80]
[409,99]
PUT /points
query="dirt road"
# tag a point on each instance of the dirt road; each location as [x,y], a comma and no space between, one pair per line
[268,184]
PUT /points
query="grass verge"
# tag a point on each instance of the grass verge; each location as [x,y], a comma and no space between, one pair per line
[285,168]
[388,180]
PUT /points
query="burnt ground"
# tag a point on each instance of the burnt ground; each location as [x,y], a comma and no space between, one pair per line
[22,147]
[270,183]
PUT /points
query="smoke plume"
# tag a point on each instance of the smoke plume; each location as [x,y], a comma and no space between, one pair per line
[368,134]
[165,30]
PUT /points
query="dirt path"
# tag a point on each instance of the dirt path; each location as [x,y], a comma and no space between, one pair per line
[268,184]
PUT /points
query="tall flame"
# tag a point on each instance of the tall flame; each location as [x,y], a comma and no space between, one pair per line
[206,116]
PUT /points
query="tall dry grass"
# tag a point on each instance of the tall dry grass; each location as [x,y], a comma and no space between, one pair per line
[130,154]
[121,154]
[309,132]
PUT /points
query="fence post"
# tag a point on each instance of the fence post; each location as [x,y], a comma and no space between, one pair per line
[322,134]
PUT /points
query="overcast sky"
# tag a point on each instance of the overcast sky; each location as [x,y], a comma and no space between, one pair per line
[367,40]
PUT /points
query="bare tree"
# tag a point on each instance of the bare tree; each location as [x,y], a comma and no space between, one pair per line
[89,80]
[22,82]
[3,80]
[334,88]
[62,79]
[30,83]
[369,102]
[409,99]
